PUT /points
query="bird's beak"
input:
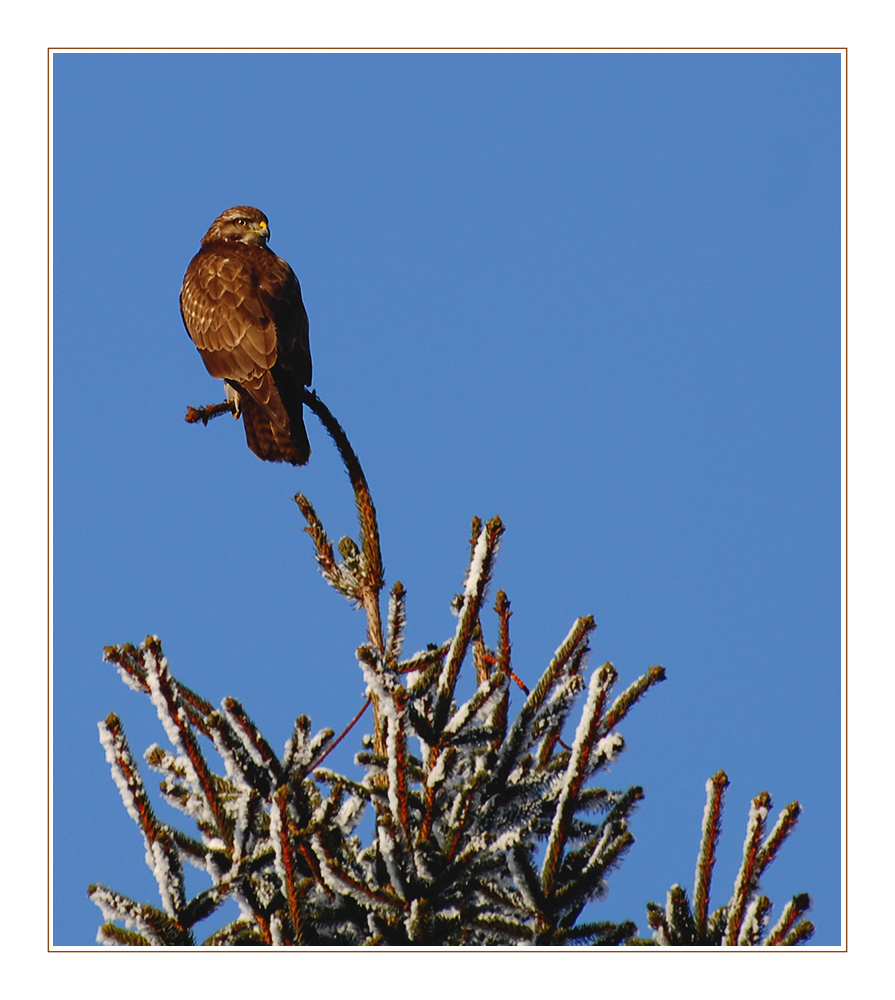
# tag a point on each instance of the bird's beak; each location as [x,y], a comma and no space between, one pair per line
[264,231]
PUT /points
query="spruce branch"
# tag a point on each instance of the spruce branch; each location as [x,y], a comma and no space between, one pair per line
[164,694]
[161,853]
[477,578]
[153,925]
[576,774]
[557,680]
[359,576]
[743,920]
[366,516]
[326,559]
[287,866]
[754,922]
[254,743]
[801,933]
[679,917]
[395,623]
[711,831]
[574,643]
[599,934]
[241,933]
[113,934]
[131,663]
[197,414]
[748,875]
[426,664]
[301,748]
[625,701]
[504,646]
[782,829]
[781,931]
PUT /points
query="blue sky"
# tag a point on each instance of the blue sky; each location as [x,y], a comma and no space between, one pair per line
[596,294]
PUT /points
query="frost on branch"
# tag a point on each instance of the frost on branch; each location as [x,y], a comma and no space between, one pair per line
[488,829]
[743,920]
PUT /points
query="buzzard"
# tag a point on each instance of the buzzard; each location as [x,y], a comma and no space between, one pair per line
[241,305]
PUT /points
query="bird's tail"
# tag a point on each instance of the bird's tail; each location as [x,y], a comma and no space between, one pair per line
[271,441]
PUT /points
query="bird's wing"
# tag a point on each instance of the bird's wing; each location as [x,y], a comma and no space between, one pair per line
[230,324]
[280,294]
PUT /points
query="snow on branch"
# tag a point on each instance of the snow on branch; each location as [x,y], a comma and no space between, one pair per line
[743,921]
[455,829]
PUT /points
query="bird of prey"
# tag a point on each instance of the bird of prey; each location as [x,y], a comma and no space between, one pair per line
[241,305]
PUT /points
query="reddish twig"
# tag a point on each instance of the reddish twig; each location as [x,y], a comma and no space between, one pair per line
[345,732]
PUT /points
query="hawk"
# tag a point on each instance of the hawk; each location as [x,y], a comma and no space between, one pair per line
[241,305]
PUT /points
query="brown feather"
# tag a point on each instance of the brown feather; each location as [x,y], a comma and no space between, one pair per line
[241,305]
[270,440]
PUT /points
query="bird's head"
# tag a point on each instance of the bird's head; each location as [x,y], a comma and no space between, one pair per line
[242,224]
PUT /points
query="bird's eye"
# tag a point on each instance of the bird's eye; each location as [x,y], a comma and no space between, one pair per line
[240,222]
